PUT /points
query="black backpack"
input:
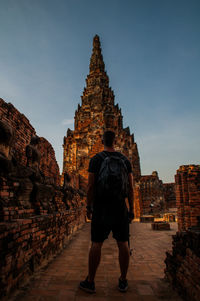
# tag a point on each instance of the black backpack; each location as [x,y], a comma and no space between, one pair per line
[112,181]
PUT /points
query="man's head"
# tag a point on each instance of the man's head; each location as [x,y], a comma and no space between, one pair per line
[108,138]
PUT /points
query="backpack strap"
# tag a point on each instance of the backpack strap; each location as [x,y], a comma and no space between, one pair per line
[123,158]
[102,155]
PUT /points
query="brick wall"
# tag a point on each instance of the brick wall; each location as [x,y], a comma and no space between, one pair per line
[23,132]
[22,127]
[48,163]
[183,264]
[188,195]
[36,221]
[137,201]
[37,216]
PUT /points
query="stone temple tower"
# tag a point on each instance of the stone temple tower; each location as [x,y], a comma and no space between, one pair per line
[96,114]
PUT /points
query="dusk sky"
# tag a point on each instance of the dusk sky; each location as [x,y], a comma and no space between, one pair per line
[151,51]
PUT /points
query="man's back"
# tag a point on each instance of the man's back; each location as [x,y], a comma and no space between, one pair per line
[96,161]
[108,202]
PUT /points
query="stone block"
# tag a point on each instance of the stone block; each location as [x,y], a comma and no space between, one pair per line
[160,226]
[147,219]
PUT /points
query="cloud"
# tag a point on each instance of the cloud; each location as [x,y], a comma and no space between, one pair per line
[67,121]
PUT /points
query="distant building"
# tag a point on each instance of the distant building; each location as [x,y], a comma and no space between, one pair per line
[151,194]
[170,195]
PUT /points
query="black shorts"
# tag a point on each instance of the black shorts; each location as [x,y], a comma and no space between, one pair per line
[101,228]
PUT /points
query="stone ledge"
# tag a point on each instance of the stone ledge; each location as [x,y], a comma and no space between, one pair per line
[160,226]
[147,219]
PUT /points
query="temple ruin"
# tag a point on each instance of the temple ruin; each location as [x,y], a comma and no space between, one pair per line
[183,262]
[37,215]
[97,113]
[40,209]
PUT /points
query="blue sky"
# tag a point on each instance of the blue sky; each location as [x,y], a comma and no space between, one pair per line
[151,50]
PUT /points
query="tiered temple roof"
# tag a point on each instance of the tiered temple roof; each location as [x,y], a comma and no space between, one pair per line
[96,114]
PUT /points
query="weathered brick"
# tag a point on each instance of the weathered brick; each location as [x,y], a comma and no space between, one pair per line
[188,195]
[183,265]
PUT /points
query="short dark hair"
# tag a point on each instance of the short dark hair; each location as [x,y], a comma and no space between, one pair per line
[108,138]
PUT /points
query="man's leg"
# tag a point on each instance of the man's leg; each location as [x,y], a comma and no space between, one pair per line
[94,259]
[124,256]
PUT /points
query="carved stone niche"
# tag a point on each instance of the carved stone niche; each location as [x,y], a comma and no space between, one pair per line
[109,121]
[67,179]
[33,154]
[6,139]
[43,197]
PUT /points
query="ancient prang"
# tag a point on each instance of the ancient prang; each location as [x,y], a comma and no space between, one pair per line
[98,112]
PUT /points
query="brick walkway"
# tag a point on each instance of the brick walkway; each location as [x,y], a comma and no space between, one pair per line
[59,281]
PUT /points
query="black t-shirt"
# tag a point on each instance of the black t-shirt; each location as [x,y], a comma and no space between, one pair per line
[95,162]
[94,167]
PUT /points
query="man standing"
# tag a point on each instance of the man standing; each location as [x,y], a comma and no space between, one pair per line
[109,183]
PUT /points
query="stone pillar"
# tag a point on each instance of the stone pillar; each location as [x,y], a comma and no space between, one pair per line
[188,195]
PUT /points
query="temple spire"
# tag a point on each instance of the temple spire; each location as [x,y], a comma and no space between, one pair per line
[96,61]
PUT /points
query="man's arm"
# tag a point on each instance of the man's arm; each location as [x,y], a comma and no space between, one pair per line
[90,193]
[130,193]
